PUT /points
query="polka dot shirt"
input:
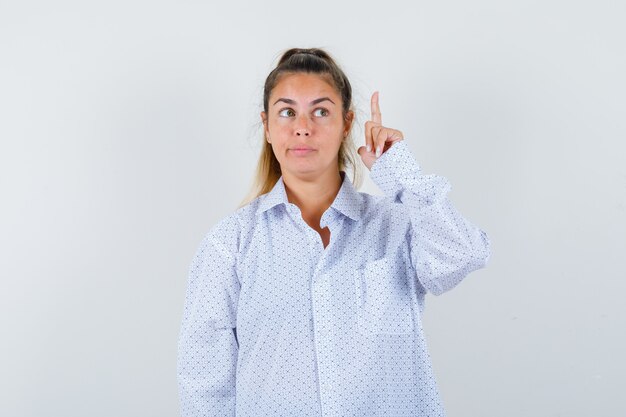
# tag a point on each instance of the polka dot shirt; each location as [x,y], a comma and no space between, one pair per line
[275,324]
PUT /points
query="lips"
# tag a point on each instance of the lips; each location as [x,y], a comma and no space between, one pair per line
[302,150]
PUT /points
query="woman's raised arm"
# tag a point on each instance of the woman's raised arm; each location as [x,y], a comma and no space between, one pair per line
[444,246]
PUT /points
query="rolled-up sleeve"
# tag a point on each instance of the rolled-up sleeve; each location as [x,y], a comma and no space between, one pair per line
[207,346]
[444,246]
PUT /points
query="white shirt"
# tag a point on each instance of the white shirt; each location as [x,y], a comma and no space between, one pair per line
[333,331]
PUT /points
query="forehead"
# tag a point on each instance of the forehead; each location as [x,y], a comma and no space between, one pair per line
[304,85]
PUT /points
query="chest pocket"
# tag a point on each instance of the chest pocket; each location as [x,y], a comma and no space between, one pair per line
[383,298]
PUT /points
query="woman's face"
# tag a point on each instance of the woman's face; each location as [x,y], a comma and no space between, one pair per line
[304,125]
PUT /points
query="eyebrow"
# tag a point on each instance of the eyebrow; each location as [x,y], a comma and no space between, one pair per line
[317,100]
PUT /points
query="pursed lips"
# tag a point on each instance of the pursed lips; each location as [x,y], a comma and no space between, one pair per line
[302,150]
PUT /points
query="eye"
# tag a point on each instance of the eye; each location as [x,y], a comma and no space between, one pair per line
[286,113]
[321,112]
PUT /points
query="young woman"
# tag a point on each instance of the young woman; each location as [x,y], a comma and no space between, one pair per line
[307,300]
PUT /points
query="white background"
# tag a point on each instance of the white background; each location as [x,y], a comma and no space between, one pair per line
[129,128]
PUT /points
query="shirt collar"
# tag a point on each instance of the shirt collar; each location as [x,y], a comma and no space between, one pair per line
[348,200]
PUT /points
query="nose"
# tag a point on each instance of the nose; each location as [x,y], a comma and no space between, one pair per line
[302,127]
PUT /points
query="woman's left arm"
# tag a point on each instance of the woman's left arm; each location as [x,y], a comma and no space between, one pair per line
[444,246]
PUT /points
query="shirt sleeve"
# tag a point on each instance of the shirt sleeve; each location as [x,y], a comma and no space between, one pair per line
[444,247]
[208,346]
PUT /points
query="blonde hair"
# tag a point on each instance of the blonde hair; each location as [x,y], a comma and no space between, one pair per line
[315,61]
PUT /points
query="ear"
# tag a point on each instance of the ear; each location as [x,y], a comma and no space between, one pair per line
[264,120]
[348,121]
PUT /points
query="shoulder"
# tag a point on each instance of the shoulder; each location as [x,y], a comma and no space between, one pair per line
[229,232]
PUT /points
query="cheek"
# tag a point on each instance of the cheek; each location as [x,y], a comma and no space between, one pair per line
[331,130]
[328,127]
[278,125]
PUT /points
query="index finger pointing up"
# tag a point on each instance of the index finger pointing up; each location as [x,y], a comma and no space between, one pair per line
[376,116]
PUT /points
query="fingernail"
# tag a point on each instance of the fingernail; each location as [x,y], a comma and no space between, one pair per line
[369,148]
[379,151]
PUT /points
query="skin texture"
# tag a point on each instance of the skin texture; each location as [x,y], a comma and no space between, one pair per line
[305,111]
[303,123]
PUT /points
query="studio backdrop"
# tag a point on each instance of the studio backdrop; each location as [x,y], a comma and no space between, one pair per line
[128,129]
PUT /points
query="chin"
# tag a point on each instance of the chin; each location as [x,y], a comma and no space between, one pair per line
[302,169]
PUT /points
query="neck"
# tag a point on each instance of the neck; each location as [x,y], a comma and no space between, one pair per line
[313,197]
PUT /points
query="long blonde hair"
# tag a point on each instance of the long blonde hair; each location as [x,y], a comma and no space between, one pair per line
[316,61]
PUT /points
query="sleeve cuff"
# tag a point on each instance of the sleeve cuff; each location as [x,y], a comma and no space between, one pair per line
[391,167]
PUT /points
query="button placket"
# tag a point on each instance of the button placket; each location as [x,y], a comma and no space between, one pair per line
[321,299]
[322,302]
